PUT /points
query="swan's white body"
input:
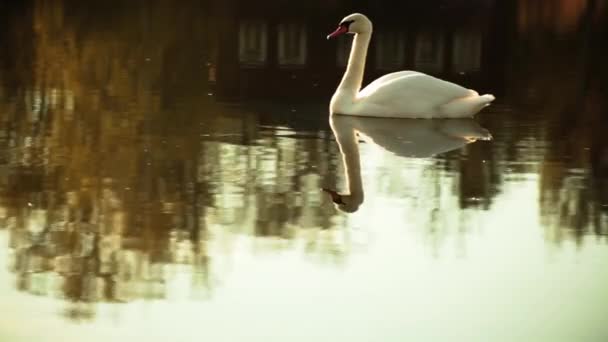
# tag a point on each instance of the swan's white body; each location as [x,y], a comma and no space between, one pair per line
[412,138]
[404,94]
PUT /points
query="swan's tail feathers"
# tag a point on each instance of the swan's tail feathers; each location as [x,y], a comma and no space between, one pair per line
[466,106]
[488,98]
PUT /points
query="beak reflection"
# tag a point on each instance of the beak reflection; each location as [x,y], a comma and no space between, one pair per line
[335,197]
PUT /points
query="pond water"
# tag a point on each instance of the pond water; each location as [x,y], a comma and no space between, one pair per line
[161,168]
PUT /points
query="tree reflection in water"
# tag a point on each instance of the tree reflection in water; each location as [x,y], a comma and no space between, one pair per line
[124,175]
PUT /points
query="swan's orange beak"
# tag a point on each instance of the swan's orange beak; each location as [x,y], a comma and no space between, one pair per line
[342,29]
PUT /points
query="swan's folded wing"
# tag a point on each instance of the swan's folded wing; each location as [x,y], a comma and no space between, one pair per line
[408,87]
[384,79]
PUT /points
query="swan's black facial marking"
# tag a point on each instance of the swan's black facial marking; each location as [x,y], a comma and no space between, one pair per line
[346,23]
[343,28]
[338,200]
[335,197]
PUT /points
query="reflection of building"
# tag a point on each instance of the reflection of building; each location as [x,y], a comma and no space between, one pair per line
[253,42]
[466,51]
[292,44]
[429,56]
[262,55]
[390,50]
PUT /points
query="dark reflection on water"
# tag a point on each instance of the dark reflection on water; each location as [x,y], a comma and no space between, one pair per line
[131,135]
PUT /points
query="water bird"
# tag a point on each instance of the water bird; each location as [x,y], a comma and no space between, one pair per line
[402,94]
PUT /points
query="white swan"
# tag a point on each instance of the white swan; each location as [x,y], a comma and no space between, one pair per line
[404,94]
[414,138]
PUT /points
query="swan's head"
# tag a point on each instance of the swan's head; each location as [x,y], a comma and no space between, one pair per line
[354,23]
[345,203]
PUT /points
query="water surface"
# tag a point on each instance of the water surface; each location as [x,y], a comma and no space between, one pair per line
[161,166]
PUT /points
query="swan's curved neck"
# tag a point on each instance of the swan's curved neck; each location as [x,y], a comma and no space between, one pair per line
[353,77]
[352,165]
[348,143]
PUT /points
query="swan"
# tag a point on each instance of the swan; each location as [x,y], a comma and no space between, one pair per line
[403,94]
[412,138]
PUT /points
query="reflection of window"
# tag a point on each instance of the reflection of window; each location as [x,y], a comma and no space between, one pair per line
[252,43]
[466,53]
[390,47]
[429,51]
[343,49]
[292,44]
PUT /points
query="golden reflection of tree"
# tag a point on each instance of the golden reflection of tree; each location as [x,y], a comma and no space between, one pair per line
[559,16]
[554,126]
[573,195]
[106,185]
[570,106]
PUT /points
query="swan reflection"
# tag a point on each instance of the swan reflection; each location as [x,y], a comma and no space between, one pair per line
[412,138]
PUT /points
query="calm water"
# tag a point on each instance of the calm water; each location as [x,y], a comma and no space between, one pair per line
[161,166]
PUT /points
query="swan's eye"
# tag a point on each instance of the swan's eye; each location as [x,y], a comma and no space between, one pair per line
[346,23]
